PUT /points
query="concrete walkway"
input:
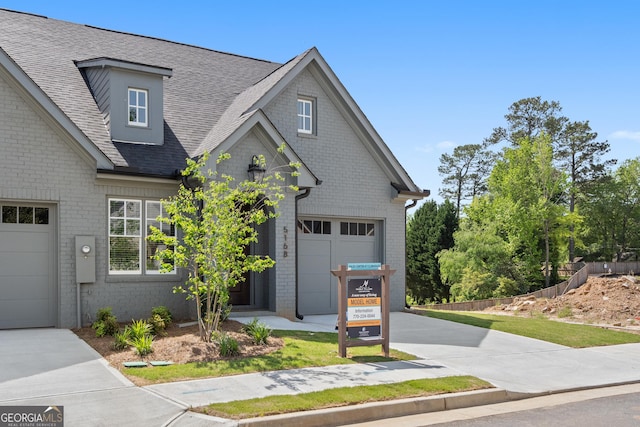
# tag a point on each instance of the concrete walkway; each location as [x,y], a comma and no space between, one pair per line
[54,367]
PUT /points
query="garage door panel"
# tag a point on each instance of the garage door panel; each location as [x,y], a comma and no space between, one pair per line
[23,287]
[351,251]
[22,264]
[24,241]
[23,313]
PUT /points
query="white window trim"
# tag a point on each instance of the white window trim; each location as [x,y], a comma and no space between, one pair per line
[302,129]
[138,108]
[142,236]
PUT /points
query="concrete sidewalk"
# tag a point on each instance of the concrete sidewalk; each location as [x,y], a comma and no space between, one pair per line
[54,367]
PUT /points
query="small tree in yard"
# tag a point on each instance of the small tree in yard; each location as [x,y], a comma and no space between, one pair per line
[217,221]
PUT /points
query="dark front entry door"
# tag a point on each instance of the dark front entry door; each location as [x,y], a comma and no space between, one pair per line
[240,294]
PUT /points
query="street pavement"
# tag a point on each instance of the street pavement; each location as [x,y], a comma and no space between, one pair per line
[54,367]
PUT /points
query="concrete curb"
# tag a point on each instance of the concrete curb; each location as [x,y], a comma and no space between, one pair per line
[379,410]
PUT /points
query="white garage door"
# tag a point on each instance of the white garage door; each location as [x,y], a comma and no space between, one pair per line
[27,291]
[323,244]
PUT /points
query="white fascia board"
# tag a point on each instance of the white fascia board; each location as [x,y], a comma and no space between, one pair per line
[50,107]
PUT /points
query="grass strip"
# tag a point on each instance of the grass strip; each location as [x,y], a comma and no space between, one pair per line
[302,349]
[342,396]
[567,334]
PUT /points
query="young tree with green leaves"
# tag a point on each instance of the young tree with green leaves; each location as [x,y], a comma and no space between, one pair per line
[217,219]
[429,231]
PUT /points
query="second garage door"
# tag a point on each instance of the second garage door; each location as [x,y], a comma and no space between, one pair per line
[323,244]
[27,291]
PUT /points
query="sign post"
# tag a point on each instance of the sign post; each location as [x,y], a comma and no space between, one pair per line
[363,306]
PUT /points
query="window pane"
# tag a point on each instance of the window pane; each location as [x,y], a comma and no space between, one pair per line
[153,210]
[25,215]
[307,123]
[142,99]
[344,228]
[362,229]
[10,214]
[42,216]
[132,97]
[326,227]
[142,116]
[133,209]
[133,227]
[353,228]
[317,227]
[132,115]
[116,208]
[307,108]
[300,122]
[124,253]
[116,227]
[300,107]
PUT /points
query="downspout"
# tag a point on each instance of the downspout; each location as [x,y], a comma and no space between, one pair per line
[406,208]
[306,193]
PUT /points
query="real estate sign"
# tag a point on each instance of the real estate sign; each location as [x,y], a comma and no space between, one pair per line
[364,308]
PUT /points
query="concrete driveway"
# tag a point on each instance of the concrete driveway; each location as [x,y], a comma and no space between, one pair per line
[54,367]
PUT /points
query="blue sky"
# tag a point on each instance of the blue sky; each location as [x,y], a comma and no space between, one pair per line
[429,75]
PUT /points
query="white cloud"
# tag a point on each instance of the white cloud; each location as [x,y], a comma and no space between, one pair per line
[440,146]
[625,134]
[446,144]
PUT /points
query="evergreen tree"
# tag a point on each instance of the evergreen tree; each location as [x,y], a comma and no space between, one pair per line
[429,231]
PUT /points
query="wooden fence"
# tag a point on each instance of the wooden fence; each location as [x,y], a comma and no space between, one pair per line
[576,280]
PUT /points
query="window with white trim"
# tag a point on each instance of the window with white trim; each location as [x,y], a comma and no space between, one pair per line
[138,107]
[128,235]
[305,116]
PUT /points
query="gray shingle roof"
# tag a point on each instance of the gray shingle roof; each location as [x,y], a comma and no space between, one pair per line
[204,84]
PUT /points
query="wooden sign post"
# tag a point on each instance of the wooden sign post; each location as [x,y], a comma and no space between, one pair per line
[363,308]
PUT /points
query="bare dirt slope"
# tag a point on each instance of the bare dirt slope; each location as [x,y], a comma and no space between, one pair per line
[611,301]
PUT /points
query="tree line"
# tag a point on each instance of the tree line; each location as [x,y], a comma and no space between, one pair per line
[531,197]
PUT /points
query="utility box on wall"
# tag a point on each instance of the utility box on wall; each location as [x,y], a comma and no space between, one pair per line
[85,259]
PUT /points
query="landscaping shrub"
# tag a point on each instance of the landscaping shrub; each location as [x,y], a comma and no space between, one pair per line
[228,346]
[164,314]
[106,323]
[122,339]
[143,344]
[258,331]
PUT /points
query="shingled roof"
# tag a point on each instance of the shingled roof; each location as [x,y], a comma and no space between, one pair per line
[204,83]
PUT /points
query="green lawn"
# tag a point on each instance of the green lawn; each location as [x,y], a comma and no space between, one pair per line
[568,334]
[302,349]
[341,397]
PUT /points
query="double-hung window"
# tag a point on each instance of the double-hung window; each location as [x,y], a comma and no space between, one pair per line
[129,225]
[305,116]
[138,102]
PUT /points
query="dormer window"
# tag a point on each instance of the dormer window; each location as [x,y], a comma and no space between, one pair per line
[138,107]
[130,98]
